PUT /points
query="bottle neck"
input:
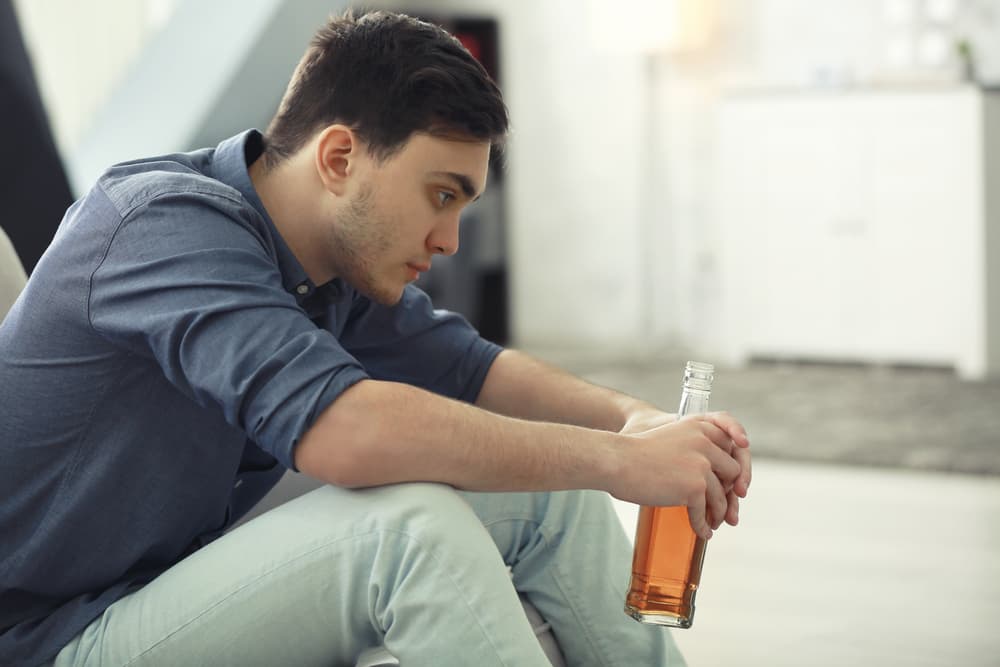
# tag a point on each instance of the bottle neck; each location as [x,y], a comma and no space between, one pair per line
[697,385]
[693,402]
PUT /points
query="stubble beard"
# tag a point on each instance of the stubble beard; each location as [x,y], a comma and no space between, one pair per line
[358,240]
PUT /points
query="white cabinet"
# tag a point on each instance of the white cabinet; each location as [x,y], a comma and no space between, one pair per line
[862,226]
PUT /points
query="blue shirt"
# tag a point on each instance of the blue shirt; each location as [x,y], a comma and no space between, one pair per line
[156,373]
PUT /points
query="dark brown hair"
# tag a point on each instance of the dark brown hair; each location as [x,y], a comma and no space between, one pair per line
[386,76]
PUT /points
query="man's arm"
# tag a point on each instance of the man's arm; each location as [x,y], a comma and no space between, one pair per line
[519,385]
[385,432]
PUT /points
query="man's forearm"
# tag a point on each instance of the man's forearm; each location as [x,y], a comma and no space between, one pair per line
[380,433]
[384,432]
[521,386]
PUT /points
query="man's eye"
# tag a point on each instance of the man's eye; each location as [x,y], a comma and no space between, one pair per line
[444,197]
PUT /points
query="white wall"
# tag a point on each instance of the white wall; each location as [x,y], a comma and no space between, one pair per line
[574,175]
[576,181]
[81,51]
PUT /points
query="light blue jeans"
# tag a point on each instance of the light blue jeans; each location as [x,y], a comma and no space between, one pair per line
[419,568]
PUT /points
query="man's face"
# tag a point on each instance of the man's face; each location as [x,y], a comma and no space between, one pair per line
[404,211]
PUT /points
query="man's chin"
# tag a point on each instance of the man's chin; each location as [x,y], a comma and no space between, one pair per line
[389,302]
[384,297]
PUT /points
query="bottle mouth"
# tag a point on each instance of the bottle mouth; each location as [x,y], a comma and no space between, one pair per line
[699,375]
[700,367]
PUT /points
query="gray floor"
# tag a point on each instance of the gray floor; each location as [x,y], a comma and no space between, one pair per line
[918,418]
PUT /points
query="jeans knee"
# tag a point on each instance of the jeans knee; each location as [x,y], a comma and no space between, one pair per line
[555,509]
[428,512]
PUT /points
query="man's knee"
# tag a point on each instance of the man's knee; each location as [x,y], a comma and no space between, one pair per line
[555,510]
[426,513]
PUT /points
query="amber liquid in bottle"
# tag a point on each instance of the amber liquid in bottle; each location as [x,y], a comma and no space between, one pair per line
[666,564]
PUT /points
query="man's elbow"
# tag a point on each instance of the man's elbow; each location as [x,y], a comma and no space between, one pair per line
[331,462]
[335,449]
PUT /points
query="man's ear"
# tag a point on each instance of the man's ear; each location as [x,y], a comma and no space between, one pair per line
[338,156]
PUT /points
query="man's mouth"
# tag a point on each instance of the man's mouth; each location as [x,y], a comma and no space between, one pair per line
[417,269]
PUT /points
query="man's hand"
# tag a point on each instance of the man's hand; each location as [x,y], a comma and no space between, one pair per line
[646,419]
[702,462]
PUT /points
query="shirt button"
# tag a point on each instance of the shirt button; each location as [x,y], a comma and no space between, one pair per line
[302,289]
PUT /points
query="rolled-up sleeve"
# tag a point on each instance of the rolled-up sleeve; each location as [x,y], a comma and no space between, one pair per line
[412,342]
[191,284]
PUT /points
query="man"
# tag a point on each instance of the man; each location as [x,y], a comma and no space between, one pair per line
[203,322]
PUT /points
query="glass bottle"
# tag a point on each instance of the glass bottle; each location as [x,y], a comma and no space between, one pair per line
[666,564]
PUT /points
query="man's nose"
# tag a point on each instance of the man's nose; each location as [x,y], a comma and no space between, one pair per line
[444,237]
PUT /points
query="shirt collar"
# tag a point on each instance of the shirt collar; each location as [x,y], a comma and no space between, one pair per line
[232,157]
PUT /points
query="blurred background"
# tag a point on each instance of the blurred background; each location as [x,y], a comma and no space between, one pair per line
[806,194]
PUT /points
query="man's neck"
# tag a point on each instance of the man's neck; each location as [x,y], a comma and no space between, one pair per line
[287,191]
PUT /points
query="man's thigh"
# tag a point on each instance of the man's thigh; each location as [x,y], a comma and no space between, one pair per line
[309,582]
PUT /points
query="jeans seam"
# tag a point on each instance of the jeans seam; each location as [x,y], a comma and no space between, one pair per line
[592,639]
[573,604]
[464,599]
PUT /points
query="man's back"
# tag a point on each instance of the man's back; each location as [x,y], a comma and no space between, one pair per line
[111,468]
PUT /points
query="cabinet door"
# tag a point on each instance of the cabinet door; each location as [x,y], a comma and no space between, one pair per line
[855,232]
[927,202]
[792,197]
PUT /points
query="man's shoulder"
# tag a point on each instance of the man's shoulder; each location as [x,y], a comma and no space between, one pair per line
[130,185]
